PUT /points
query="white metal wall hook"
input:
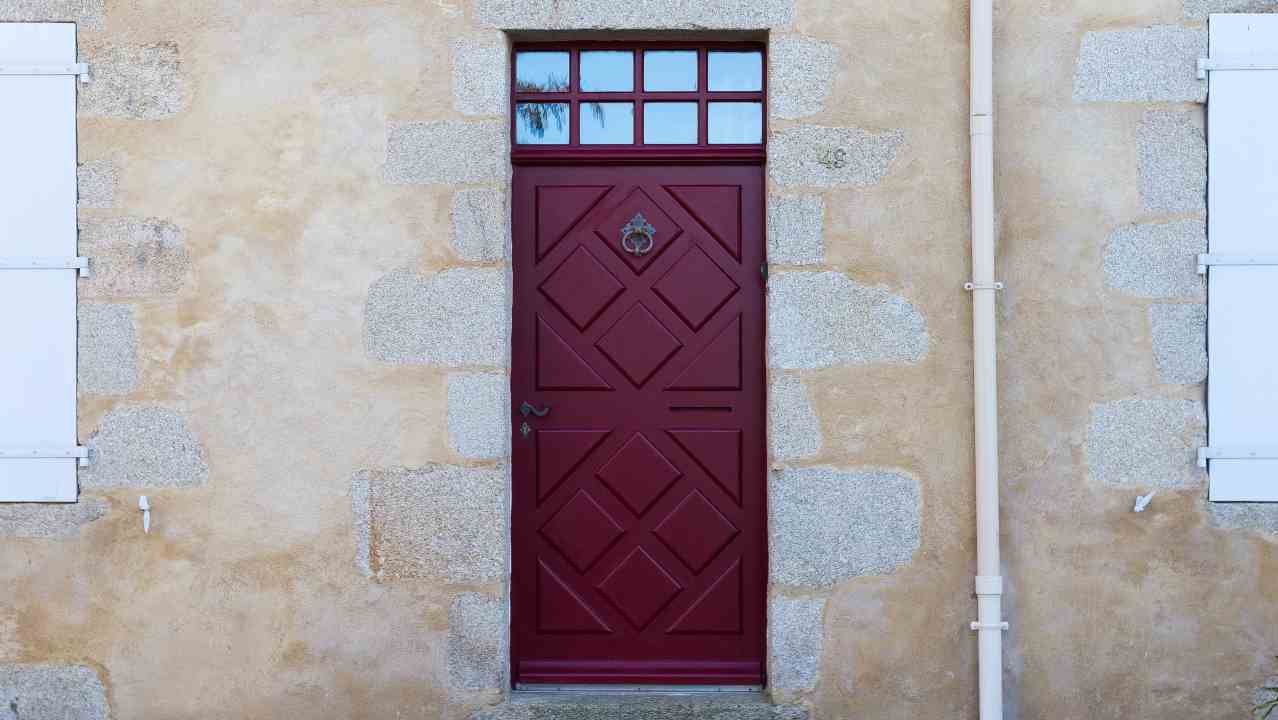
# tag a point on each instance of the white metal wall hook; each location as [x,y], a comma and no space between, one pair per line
[1142,501]
[145,506]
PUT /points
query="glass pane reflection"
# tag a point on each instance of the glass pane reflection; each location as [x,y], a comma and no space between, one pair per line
[740,71]
[670,123]
[541,71]
[607,71]
[541,123]
[733,123]
[606,123]
[670,70]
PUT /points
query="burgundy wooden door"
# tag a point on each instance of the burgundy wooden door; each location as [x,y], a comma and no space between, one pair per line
[639,539]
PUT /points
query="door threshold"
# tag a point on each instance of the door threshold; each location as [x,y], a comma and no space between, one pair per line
[583,689]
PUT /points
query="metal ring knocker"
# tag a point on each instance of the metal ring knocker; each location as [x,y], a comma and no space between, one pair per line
[636,236]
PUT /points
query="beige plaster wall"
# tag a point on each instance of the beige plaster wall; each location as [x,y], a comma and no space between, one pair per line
[261,591]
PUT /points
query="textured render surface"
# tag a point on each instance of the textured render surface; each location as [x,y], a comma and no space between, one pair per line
[1200,9]
[362,522]
[641,14]
[96,182]
[1173,161]
[820,319]
[795,632]
[440,522]
[51,520]
[1146,442]
[476,646]
[795,229]
[106,349]
[480,78]
[714,706]
[801,72]
[808,155]
[425,153]
[457,317]
[794,431]
[481,225]
[133,257]
[88,13]
[1180,342]
[828,525]
[141,447]
[52,692]
[141,82]
[1150,64]
[479,413]
[1157,260]
[1262,517]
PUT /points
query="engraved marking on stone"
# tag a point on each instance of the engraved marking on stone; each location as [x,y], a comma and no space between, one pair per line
[636,236]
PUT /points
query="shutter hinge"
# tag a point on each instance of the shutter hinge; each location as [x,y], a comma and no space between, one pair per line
[1236,452]
[80,70]
[46,263]
[763,270]
[79,452]
[1209,259]
[1236,62]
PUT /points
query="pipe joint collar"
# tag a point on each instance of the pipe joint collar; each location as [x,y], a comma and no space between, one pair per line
[989,585]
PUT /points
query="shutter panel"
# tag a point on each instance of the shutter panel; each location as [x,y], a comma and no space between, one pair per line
[37,306]
[1242,221]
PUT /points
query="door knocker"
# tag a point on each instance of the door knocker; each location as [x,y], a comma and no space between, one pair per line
[636,236]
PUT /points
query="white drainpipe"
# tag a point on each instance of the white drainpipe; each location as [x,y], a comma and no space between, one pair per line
[989,582]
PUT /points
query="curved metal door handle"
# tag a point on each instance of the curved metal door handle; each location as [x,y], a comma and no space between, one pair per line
[529,409]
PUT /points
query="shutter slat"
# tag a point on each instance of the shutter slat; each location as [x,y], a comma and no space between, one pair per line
[1243,219]
[37,219]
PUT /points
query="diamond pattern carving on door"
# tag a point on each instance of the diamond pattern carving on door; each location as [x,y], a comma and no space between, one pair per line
[638,500]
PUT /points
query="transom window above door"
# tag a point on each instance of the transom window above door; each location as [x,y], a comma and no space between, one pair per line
[612,96]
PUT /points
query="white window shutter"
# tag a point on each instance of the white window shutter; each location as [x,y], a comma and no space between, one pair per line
[37,224]
[1242,233]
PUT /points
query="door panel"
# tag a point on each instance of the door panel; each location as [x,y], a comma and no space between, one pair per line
[639,543]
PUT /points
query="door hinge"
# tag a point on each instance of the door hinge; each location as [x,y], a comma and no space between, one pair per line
[763,270]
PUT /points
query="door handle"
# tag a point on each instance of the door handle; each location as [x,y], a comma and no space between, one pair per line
[529,409]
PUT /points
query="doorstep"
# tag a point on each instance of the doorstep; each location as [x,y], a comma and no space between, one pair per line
[541,705]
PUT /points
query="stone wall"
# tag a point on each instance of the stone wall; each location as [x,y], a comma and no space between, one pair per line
[296,343]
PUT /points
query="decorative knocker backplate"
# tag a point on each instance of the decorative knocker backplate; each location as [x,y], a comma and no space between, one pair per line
[636,236]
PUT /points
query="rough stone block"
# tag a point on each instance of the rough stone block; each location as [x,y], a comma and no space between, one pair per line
[1180,342]
[1200,9]
[52,692]
[144,446]
[796,229]
[439,522]
[794,431]
[362,523]
[1260,517]
[96,182]
[479,415]
[821,319]
[802,73]
[132,257]
[1151,64]
[795,639]
[827,525]
[1146,442]
[640,706]
[49,520]
[106,349]
[141,82]
[87,13]
[809,155]
[455,317]
[445,153]
[1173,162]
[476,642]
[481,225]
[635,15]
[480,76]
[1157,260]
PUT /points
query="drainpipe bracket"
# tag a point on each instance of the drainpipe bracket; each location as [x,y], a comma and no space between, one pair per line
[990,626]
[973,286]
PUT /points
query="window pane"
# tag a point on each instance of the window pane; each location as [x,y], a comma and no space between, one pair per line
[541,71]
[541,123]
[735,122]
[607,123]
[670,70]
[607,71]
[670,123]
[736,70]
